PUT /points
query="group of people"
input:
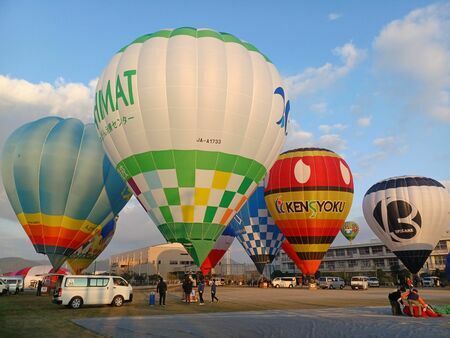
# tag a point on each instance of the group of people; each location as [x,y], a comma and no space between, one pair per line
[407,299]
[188,285]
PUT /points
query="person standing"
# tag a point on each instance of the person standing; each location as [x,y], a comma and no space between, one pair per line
[39,288]
[395,298]
[161,288]
[213,291]
[187,288]
[201,289]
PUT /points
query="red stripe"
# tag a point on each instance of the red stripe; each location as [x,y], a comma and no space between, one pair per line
[310,227]
[210,262]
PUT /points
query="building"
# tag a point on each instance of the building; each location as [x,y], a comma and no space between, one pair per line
[169,260]
[367,257]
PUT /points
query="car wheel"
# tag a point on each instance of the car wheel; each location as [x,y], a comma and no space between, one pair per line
[76,302]
[277,286]
[291,286]
[331,287]
[341,287]
[117,301]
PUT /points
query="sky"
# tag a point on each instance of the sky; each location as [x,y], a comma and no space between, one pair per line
[369,80]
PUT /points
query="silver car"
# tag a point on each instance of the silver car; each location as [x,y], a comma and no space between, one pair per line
[331,283]
[374,282]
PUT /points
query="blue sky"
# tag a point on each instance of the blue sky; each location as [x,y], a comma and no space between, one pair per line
[369,80]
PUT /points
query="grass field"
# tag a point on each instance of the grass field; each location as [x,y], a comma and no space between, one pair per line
[26,315]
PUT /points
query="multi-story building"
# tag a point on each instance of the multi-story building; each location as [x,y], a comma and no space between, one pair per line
[361,258]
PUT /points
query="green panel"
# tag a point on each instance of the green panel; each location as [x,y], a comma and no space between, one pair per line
[185,166]
[209,33]
[209,214]
[143,38]
[244,185]
[242,166]
[253,171]
[163,159]
[226,162]
[226,199]
[206,160]
[172,196]
[260,175]
[145,162]
[190,31]
[165,211]
[227,37]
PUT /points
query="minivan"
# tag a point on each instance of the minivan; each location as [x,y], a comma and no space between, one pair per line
[284,282]
[431,281]
[77,290]
[15,284]
[360,282]
[331,283]
[4,288]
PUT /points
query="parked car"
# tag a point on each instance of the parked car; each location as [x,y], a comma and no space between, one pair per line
[431,281]
[219,281]
[374,282]
[75,291]
[360,282]
[331,283]
[284,282]
[15,284]
[4,288]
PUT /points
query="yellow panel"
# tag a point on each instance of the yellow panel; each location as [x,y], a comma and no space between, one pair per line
[201,196]
[311,247]
[220,180]
[311,205]
[188,213]
[57,221]
[307,153]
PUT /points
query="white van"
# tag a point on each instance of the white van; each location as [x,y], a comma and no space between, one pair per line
[331,283]
[15,284]
[284,282]
[360,282]
[75,291]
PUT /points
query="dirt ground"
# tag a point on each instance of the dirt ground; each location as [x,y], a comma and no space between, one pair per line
[26,315]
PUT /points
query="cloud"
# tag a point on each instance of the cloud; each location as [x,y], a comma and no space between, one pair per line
[334,16]
[384,146]
[385,142]
[319,108]
[326,128]
[414,54]
[364,121]
[299,138]
[314,79]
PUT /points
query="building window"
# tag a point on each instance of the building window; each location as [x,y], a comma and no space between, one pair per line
[173,262]
[364,251]
[330,265]
[321,266]
[352,251]
[340,252]
[439,260]
[330,253]
[340,264]
[442,245]
[379,263]
[376,250]
[393,261]
[387,250]
[352,263]
[366,263]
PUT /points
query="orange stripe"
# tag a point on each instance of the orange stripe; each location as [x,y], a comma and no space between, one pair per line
[225,216]
[240,204]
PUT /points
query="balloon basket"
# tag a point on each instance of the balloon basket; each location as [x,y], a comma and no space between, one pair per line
[312,286]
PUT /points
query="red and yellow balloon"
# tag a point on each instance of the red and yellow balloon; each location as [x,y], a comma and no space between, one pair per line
[309,194]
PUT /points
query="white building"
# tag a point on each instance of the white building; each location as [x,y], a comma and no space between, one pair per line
[158,259]
[360,258]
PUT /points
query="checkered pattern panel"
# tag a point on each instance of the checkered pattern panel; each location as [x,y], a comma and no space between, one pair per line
[214,197]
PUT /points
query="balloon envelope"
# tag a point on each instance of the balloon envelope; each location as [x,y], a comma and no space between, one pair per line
[309,194]
[409,214]
[292,254]
[89,251]
[221,246]
[192,119]
[256,230]
[350,230]
[60,184]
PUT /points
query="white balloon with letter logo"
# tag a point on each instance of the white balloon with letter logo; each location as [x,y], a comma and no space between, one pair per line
[409,214]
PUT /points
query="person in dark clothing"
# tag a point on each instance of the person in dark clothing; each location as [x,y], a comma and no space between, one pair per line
[395,298]
[39,288]
[161,288]
[187,288]
[201,289]
[213,291]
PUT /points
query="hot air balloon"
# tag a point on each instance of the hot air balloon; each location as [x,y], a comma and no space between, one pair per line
[192,119]
[409,214]
[349,230]
[309,194]
[221,246]
[60,184]
[89,251]
[256,230]
[292,254]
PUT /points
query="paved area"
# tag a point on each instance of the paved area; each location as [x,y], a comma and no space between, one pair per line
[332,322]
